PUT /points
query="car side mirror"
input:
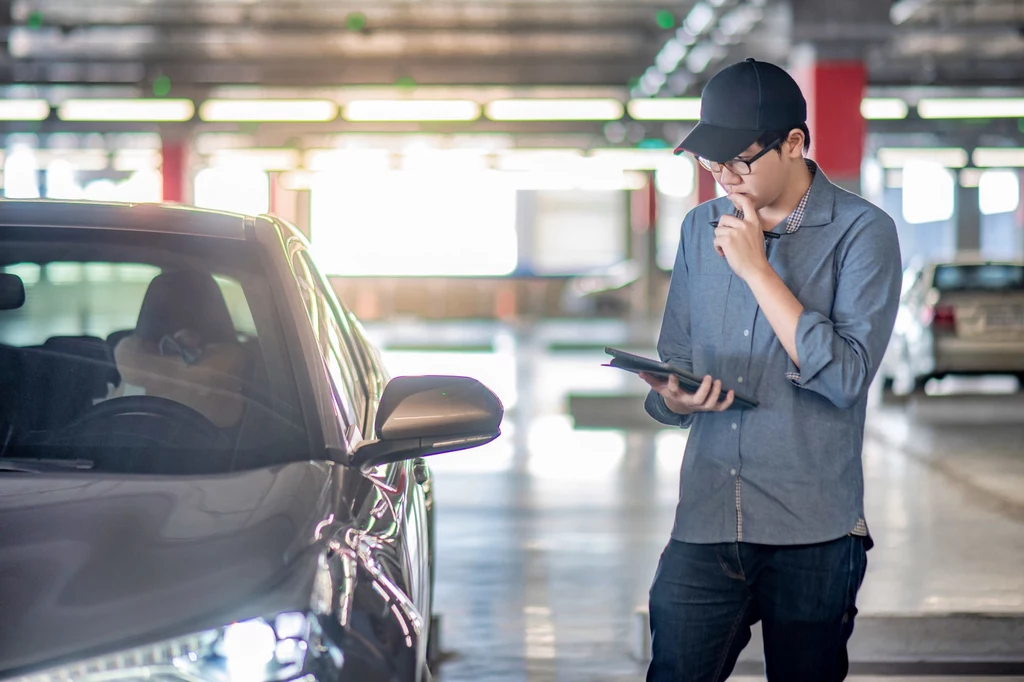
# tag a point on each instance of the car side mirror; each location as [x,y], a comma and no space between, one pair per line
[421,416]
[12,292]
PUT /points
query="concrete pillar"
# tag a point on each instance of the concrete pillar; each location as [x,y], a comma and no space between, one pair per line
[968,218]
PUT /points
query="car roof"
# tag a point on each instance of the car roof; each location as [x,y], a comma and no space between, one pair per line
[141,217]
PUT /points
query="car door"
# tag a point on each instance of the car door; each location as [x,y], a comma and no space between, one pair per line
[401,480]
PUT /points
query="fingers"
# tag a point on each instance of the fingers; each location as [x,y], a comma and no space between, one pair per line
[655,382]
[725,404]
[711,402]
[743,203]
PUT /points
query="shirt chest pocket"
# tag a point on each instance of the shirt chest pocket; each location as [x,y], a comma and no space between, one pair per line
[709,298]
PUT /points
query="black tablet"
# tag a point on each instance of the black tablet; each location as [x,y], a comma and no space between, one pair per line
[691,382]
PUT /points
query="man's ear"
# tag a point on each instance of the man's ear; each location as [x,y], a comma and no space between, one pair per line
[794,144]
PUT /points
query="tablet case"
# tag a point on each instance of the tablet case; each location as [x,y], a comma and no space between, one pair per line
[691,382]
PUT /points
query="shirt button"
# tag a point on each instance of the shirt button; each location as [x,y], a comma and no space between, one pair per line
[739,379]
[733,472]
[746,332]
[735,426]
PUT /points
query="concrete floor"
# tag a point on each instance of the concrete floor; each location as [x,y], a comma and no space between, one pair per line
[548,538]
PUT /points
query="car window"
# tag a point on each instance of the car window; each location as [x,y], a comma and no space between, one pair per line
[183,331]
[342,367]
[987,277]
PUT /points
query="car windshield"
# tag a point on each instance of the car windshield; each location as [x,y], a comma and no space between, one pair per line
[988,277]
[142,353]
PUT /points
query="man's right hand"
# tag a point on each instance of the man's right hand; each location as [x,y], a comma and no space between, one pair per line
[682,402]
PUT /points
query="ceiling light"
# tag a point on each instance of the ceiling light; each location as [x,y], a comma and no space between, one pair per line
[880,109]
[670,56]
[631,159]
[898,157]
[355,160]
[999,157]
[291,110]
[971,108]
[555,110]
[699,18]
[126,110]
[412,110]
[665,109]
[24,110]
[538,159]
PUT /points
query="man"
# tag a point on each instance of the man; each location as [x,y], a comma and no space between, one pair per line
[770,523]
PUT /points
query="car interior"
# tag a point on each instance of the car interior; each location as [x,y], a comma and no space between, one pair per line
[182,378]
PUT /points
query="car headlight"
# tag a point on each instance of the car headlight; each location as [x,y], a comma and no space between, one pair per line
[258,650]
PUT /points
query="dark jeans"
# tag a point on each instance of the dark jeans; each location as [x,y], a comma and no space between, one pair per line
[705,598]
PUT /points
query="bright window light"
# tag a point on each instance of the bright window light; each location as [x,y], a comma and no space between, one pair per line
[899,157]
[21,174]
[665,109]
[555,110]
[568,160]
[883,108]
[234,189]
[61,182]
[632,159]
[412,110]
[999,157]
[928,192]
[24,110]
[256,159]
[354,160]
[999,192]
[299,110]
[971,108]
[126,110]
[446,224]
[677,178]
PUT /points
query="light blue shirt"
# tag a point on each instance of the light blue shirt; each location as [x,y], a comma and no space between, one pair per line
[789,471]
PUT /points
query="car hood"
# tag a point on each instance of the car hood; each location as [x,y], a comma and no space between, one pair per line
[91,559]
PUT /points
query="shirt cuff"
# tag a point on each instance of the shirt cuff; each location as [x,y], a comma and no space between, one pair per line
[813,347]
[656,407]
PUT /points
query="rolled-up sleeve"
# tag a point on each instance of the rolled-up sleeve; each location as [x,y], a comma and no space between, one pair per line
[840,353]
[674,339]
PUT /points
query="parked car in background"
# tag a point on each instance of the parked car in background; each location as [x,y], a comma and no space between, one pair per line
[206,471]
[604,292]
[958,317]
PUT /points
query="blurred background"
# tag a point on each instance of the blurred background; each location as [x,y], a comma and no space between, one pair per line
[491,186]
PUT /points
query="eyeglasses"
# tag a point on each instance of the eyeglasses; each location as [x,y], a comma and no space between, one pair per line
[738,166]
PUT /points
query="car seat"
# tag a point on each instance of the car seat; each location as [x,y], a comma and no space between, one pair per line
[207,377]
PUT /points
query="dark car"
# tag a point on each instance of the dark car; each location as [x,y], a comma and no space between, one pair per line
[205,471]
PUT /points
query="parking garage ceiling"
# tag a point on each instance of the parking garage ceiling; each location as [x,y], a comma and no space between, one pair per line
[305,43]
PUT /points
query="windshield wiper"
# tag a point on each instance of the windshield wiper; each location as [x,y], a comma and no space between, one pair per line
[39,466]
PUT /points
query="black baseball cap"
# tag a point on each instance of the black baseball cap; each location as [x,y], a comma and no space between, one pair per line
[739,104]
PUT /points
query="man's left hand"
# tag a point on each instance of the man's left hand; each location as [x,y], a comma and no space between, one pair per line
[741,242]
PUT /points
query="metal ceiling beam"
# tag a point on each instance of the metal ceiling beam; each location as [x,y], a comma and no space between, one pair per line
[298,73]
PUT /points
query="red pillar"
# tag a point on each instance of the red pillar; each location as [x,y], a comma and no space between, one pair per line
[834,90]
[706,190]
[173,171]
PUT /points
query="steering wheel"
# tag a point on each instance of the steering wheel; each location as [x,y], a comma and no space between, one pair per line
[143,418]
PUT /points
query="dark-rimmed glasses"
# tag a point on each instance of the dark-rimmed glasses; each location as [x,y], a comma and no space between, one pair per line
[738,166]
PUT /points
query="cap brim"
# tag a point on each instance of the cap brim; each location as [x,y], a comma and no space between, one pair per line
[717,144]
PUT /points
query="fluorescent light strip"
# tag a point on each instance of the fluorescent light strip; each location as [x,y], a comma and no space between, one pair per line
[126,110]
[665,109]
[999,157]
[971,108]
[555,110]
[286,110]
[898,157]
[24,110]
[412,110]
[883,109]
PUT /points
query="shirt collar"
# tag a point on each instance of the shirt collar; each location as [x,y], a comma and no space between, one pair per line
[815,207]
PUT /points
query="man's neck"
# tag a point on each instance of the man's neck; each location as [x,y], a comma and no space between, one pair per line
[785,205]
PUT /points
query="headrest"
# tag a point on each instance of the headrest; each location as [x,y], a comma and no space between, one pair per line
[185,300]
[12,292]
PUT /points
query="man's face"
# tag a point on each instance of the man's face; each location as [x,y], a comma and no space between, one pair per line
[765,182]
[768,175]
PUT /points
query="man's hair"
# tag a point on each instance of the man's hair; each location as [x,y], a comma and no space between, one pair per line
[772,136]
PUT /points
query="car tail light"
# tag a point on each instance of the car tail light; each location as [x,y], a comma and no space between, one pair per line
[940,317]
